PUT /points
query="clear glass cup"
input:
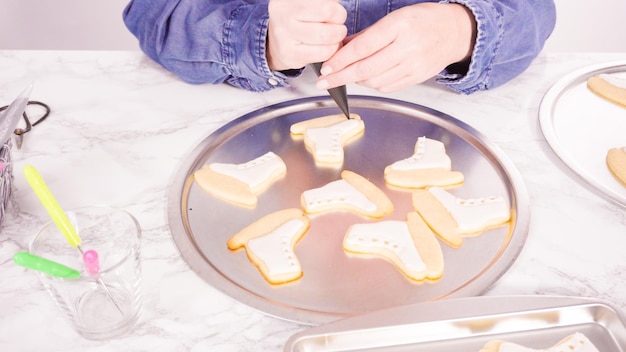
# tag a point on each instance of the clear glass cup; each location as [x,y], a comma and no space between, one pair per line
[103,302]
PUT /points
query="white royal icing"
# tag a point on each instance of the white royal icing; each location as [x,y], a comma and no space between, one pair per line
[275,249]
[327,140]
[472,215]
[391,235]
[511,347]
[574,343]
[429,154]
[614,80]
[253,172]
[336,192]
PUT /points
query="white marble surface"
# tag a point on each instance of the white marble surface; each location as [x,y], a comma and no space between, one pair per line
[120,127]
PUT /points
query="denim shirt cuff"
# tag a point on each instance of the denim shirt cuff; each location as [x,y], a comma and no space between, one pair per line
[250,69]
[477,77]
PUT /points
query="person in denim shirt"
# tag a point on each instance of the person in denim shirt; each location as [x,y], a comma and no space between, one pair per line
[388,45]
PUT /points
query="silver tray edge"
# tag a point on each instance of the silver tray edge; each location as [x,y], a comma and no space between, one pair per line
[427,320]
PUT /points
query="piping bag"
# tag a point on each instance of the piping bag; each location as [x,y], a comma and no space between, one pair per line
[339,94]
[59,217]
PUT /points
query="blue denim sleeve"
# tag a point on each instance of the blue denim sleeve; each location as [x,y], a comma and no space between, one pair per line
[203,41]
[511,33]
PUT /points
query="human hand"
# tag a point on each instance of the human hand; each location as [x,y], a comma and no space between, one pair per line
[406,47]
[303,31]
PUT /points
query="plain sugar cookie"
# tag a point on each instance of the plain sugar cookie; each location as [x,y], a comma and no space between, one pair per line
[616,161]
[610,87]
[573,343]
[270,241]
[453,218]
[353,193]
[325,137]
[241,183]
[429,165]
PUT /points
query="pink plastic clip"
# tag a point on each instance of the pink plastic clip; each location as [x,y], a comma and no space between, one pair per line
[90,258]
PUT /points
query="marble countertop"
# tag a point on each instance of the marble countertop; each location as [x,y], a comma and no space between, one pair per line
[121,125]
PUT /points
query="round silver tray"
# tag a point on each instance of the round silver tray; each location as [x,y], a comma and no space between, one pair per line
[581,127]
[334,285]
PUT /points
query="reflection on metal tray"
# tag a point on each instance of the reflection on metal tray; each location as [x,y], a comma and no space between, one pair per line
[335,285]
[581,127]
[466,324]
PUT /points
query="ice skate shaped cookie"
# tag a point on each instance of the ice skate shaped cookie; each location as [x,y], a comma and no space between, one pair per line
[269,243]
[410,246]
[610,87]
[616,161]
[353,193]
[325,137]
[452,218]
[428,166]
[573,343]
[241,183]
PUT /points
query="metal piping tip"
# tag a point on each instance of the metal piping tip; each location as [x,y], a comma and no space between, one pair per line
[339,94]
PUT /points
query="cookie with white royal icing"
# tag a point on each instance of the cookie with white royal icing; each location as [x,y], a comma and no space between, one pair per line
[325,137]
[610,87]
[577,342]
[429,165]
[453,218]
[270,241]
[241,183]
[616,162]
[353,193]
[409,245]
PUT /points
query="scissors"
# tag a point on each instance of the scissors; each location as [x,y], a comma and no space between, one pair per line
[12,113]
[19,132]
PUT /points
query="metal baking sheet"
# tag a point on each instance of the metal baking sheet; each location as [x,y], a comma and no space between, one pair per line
[467,324]
[334,285]
[581,127]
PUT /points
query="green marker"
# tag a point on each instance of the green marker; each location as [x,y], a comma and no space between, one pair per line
[45,266]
